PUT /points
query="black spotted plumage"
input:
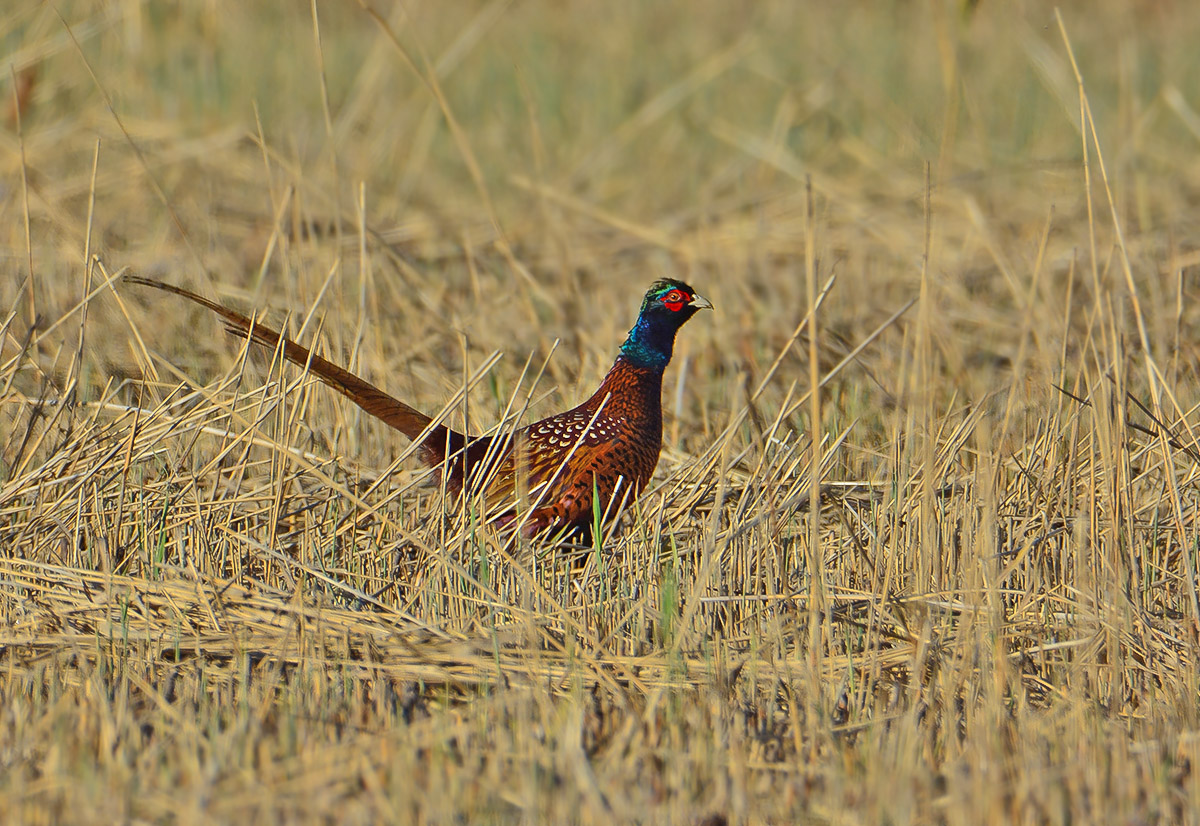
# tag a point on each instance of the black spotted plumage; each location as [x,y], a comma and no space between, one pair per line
[546,476]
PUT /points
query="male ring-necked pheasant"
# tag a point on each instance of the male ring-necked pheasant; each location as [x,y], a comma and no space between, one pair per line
[601,453]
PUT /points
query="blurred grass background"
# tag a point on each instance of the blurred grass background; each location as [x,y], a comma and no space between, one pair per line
[228,597]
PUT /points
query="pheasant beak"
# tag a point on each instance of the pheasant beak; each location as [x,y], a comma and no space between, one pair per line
[699,302]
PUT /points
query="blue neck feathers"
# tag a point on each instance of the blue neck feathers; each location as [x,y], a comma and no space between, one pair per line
[650,343]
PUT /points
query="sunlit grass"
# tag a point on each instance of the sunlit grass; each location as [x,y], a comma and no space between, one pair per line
[227,595]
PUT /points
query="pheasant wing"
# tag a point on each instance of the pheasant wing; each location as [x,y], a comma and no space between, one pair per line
[557,466]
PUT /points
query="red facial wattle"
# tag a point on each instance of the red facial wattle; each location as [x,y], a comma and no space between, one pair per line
[675,300]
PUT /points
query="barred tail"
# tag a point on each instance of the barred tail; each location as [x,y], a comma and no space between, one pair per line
[386,408]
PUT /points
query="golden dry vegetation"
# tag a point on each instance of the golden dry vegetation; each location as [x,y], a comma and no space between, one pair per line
[227,596]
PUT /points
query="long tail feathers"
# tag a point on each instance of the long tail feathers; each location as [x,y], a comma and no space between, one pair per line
[370,398]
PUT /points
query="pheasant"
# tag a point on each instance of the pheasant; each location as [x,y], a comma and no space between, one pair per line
[599,455]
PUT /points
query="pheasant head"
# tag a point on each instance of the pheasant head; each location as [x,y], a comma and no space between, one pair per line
[667,306]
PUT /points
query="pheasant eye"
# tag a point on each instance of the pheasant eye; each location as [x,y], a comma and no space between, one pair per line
[674,297]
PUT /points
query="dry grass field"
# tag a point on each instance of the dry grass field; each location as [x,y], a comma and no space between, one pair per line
[226,595]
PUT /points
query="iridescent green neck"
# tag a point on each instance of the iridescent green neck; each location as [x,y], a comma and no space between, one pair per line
[650,343]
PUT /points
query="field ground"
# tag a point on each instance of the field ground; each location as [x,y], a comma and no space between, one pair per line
[228,596]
